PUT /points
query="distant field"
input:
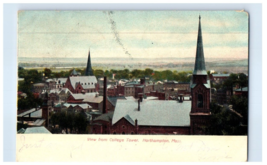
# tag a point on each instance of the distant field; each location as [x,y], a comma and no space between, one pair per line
[230,69]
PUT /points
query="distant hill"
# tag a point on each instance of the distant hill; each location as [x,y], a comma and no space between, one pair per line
[179,64]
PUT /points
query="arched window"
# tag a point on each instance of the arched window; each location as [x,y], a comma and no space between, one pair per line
[132,132]
[123,133]
[200,101]
[114,132]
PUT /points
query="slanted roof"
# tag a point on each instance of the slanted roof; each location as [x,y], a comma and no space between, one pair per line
[61,80]
[93,99]
[37,130]
[129,98]
[38,122]
[83,106]
[154,112]
[220,75]
[200,68]
[87,82]
[22,130]
[105,117]
[37,114]
[113,99]
[79,96]
[129,119]
[207,85]
[244,89]
[74,72]
[27,112]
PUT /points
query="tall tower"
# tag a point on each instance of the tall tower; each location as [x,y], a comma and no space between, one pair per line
[89,70]
[200,90]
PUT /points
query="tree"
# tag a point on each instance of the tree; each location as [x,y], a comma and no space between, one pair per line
[224,122]
[240,105]
[99,73]
[47,72]
[80,122]
[148,72]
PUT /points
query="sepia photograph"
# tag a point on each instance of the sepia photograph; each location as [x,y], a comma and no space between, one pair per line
[133,73]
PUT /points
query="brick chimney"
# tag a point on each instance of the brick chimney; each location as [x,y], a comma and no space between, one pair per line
[142,81]
[140,96]
[105,95]
[136,126]
[138,105]
[181,98]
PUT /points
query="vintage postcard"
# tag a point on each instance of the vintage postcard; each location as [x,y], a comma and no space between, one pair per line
[154,85]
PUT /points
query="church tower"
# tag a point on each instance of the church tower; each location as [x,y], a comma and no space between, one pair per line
[200,91]
[89,70]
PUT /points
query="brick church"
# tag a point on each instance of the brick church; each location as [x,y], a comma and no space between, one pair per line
[145,116]
[83,84]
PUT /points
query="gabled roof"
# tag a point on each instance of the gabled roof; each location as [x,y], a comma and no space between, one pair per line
[200,68]
[87,82]
[154,112]
[105,117]
[129,119]
[207,85]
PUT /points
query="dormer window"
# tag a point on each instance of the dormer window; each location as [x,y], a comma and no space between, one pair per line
[84,83]
[92,83]
[81,83]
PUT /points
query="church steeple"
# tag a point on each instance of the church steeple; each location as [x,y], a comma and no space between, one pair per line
[200,68]
[89,70]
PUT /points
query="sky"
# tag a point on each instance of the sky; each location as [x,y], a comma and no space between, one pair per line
[131,34]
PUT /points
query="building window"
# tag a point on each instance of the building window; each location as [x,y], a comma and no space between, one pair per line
[123,133]
[114,132]
[200,101]
[132,132]
[123,126]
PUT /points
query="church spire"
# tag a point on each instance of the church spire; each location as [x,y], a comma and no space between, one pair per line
[200,68]
[89,70]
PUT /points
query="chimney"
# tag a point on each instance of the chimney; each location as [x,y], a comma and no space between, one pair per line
[105,95]
[142,81]
[140,95]
[138,105]
[136,122]
[181,98]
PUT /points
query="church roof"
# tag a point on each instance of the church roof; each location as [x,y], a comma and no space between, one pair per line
[200,68]
[154,112]
[89,70]
[87,82]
